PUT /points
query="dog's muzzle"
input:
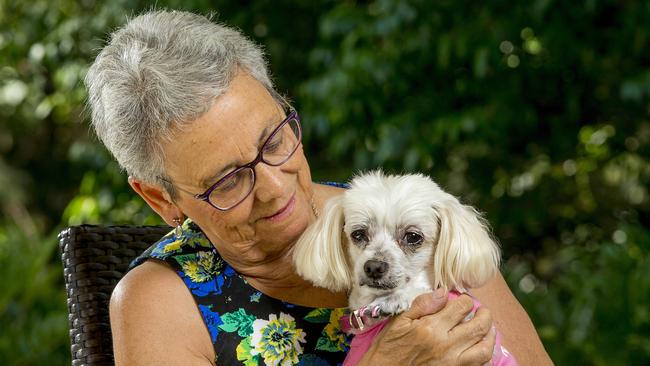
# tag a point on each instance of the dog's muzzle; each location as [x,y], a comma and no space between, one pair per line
[375,269]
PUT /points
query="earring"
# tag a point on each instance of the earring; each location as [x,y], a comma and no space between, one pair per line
[178,230]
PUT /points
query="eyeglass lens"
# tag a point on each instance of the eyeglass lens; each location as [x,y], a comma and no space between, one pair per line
[279,147]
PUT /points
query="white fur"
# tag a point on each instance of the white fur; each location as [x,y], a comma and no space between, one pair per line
[323,264]
[456,250]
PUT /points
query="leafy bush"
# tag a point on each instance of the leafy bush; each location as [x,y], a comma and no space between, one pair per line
[537,113]
[33,313]
[593,309]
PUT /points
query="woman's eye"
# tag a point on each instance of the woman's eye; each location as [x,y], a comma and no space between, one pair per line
[228,185]
[413,238]
[273,144]
[359,236]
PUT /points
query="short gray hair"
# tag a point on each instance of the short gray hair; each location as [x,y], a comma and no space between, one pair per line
[160,70]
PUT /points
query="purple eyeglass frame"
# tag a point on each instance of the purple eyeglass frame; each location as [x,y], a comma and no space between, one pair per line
[205,196]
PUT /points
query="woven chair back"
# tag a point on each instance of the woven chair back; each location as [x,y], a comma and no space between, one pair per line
[94,260]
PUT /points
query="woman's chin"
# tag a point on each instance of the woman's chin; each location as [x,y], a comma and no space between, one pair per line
[286,232]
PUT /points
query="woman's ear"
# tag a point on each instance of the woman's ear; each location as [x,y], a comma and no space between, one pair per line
[465,256]
[319,255]
[157,199]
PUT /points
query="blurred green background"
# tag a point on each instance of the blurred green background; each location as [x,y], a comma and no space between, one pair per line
[537,112]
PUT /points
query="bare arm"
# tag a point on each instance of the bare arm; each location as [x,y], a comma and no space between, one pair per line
[155,321]
[510,318]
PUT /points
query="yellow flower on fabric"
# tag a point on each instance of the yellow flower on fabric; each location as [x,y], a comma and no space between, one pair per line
[333,330]
[332,338]
[201,267]
[173,246]
[277,340]
[244,353]
[191,236]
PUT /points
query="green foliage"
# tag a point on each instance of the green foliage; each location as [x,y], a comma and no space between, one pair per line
[535,112]
[594,310]
[33,314]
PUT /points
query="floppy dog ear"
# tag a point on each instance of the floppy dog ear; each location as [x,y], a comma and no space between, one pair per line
[319,255]
[465,256]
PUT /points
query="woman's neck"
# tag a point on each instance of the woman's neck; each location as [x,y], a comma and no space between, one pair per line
[275,275]
[278,279]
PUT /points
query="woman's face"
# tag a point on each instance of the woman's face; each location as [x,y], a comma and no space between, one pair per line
[228,135]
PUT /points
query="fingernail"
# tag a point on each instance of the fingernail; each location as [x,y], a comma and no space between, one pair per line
[439,293]
[493,329]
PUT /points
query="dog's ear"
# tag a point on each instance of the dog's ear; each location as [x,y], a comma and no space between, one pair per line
[319,255]
[465,256]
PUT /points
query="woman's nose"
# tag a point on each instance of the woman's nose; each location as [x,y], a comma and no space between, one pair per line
[269,183]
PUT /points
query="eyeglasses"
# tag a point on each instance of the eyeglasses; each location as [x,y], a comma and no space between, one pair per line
[235,186]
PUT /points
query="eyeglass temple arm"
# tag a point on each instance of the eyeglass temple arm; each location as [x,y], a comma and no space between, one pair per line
[195,195]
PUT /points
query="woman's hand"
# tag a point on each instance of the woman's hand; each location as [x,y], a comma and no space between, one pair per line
[432,332]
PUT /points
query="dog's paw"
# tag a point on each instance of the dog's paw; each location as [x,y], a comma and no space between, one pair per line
[387,306]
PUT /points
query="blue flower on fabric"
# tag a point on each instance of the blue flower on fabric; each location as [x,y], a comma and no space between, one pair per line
[201,272]
[202,289]
[212,321]
[228,271]
[165,247]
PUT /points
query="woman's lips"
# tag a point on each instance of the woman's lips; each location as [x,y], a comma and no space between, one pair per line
[284,212]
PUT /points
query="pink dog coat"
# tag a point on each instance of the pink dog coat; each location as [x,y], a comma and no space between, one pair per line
[363,339]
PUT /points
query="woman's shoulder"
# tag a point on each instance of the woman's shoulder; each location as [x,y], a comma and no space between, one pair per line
[149,308]
[152,283]
[151,305]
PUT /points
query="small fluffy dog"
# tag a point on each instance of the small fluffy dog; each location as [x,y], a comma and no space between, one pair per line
[389,238]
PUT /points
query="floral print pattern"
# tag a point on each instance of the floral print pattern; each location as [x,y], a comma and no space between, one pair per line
[277,340]
[201,267]
[246,326]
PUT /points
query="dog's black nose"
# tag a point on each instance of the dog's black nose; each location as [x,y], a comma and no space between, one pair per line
[375,269]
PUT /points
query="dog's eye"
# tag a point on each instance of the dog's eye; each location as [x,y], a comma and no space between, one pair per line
[413,238]
[359,236]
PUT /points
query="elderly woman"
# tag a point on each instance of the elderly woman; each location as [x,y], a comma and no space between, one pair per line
[187,109]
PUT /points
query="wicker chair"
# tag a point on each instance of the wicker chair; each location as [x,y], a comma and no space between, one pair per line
[94,259]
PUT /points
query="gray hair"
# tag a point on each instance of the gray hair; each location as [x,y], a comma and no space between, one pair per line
[160,70]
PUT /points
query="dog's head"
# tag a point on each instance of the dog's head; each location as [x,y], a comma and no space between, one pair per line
[386,229]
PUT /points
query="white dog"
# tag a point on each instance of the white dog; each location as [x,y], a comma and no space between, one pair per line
[388,239]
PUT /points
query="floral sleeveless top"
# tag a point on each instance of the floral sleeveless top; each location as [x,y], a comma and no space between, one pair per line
[246,326]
